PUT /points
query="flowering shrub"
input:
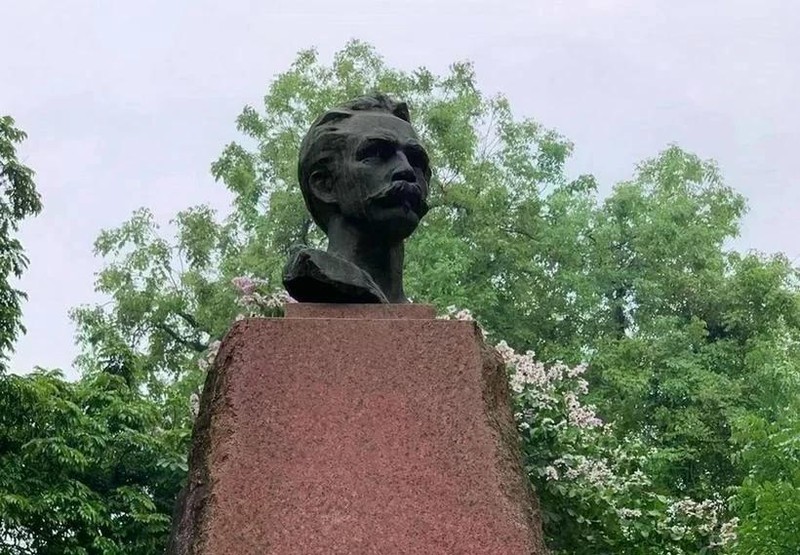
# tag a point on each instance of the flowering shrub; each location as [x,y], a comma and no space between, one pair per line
[594,489]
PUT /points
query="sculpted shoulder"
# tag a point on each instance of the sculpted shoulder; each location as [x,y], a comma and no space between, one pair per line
[315,276]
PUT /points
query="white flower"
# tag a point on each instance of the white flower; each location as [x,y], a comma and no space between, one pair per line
[194,405]
[727,532]
[452,312]
[550,473]
[506,352]
[629,514]
[576,371]
[245,285]
[464,315]
[254,302]
[579,415]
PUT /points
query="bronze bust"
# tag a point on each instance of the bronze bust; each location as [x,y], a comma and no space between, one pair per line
[364,177]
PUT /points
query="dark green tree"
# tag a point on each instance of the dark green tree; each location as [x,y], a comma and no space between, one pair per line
[85,468]
[18,200]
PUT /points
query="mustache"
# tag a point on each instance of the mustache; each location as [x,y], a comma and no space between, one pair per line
[402,193]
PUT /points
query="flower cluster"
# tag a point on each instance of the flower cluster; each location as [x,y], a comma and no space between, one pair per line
[687,517]
[194,404]
[246,285]
[547,387]
[584,472]
[595,472]
[256,304]
[452,312]
[727,533]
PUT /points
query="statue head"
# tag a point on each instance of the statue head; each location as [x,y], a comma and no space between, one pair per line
[362,161]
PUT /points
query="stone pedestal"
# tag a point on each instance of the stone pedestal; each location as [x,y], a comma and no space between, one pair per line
[356,429]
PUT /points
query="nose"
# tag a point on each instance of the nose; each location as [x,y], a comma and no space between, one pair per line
[403,170]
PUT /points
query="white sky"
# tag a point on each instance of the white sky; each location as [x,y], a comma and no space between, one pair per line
[127,103]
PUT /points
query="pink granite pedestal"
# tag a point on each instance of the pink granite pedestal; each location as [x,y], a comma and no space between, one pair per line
[356,429]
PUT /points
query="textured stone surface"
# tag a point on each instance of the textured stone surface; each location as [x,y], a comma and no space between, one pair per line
[341,435]
[368,311]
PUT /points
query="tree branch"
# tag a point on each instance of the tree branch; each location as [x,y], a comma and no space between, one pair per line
[517,231]
[190,343]
[191,320]
[304,231]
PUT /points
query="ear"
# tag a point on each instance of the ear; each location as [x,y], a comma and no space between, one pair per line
[321,186]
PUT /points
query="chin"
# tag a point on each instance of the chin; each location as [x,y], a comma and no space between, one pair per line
[396,223]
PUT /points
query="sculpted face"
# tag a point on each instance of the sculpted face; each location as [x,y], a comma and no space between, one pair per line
[384,173]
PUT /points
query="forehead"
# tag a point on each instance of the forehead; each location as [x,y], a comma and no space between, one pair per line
[372,124]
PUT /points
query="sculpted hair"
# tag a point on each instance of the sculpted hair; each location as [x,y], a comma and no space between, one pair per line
[322,147]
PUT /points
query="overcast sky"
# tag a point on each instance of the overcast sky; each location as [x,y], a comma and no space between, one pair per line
[127,103]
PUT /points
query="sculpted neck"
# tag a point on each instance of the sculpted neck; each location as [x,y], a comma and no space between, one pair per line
[382,261]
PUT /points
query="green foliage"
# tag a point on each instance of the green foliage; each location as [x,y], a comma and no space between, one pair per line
[768,500]
[18,200]
[154,324]
[85,468]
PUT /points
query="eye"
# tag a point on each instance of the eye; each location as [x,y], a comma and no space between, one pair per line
[418,159]
[375,150]
[415,159]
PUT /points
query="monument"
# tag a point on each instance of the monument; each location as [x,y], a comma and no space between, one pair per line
[358,423]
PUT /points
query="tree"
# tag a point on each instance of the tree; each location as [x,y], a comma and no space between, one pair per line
[18,200]
[85,468]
